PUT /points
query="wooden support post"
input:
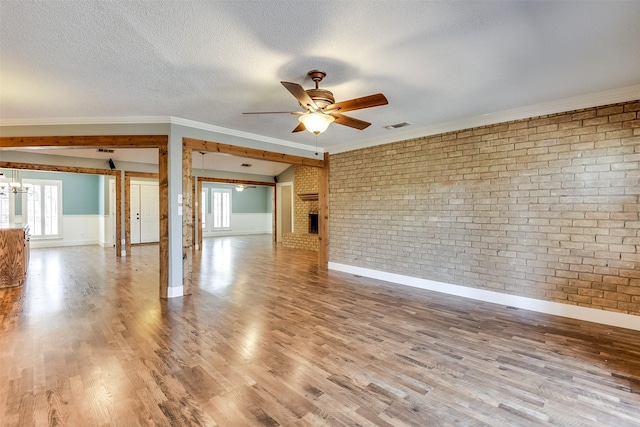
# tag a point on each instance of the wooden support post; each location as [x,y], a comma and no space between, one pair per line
[274,216]
[323,215]
[187,221]
[163,189]
[194,212]
[127,214]
[199,196]
[118,237]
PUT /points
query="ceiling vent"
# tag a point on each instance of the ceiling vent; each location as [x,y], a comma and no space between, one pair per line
[246,165]
[397,125]
[105,150]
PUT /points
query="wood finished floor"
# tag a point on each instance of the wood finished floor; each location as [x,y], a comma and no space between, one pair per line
[267,340]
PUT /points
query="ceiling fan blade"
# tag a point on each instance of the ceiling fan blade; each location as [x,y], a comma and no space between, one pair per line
[341,119]
[299,128]
[275,112]
[358,103]
[301,95]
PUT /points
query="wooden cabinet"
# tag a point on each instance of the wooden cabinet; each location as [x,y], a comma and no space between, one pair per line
[14,256]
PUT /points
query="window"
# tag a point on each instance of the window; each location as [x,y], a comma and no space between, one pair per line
[43,208]
[4,208]
[221,208]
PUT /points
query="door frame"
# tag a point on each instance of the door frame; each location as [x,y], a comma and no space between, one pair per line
[279,208]
[189,145]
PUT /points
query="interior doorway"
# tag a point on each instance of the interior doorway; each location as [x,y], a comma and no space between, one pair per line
[284,209]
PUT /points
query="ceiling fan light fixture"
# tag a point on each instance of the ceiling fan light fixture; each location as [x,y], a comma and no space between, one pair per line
[316,122]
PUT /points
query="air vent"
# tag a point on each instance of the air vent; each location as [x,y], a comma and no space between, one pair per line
[246,165]
[397,125]
[105,150]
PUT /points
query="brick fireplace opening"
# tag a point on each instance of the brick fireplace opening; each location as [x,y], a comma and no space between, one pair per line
[313,223]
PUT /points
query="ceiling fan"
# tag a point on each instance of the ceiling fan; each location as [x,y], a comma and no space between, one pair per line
[321,109]
[242,187]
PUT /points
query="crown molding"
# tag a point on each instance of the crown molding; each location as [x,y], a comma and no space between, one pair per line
[624,94]
[240,134]
[65,121]
[138,120]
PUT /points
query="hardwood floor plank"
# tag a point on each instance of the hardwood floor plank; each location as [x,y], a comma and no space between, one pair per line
[267,339]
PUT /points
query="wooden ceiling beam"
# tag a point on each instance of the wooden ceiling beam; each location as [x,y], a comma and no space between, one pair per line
[52,168]
[216,147]
[134,174]
[236,181]
[134,141]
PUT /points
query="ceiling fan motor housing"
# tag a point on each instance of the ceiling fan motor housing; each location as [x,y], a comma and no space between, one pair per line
[321,97]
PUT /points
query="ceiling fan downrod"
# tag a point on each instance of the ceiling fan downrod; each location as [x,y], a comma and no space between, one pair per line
[317,76]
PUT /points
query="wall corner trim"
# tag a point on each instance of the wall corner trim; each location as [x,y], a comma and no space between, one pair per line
[587,314]
[175,291]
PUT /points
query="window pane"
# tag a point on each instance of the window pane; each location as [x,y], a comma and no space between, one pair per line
[203,204]
[33,210]
[216,209]
[50,210]
[225,209]
[47,210]
[42,208]
[4,208]
[221,208]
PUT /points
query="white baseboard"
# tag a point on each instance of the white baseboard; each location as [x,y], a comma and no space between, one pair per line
[558,309]
[58,243]
[175,291]
[233,233]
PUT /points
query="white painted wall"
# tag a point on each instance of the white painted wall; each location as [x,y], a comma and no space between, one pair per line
[106,232]
[245,223]
[76,230]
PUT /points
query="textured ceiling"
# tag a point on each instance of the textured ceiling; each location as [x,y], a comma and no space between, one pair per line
[209,61]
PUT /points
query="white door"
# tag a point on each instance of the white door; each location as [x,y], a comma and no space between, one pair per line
[145,213]
[134,219]
[149,214]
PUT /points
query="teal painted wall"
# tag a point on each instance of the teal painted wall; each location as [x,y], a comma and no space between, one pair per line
[287,175]
[251,200]
[80,193]
[101,194]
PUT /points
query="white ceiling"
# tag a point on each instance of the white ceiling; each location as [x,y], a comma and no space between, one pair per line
[209,61]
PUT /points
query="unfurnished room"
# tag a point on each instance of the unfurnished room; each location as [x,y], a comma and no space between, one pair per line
[327,213]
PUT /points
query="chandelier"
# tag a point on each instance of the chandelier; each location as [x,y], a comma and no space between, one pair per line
[14,185]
